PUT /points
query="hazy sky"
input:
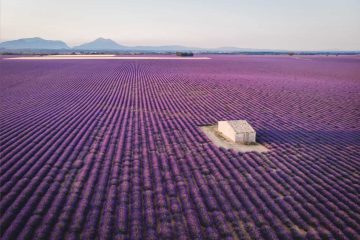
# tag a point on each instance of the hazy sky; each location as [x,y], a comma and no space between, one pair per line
[270,24]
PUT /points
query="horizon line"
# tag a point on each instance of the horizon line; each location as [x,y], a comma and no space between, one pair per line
[73,46]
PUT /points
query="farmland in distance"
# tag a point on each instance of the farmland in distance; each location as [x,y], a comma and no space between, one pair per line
[110,149]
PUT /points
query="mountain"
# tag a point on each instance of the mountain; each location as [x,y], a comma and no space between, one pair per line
[101,44]
[34,43]
[41,46]
[108,44]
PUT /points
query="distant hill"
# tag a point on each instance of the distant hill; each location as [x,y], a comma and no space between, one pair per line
[101,44]
[34,43]
[108,44]
[38,45]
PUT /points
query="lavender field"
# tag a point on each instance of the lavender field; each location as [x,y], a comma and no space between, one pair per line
[112,149]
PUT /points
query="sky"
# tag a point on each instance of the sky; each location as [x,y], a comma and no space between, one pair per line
[261,24]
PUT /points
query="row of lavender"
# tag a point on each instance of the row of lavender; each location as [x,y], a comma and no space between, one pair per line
[104,149]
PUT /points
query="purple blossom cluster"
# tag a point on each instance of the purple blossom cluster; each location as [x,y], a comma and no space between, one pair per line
[106,149]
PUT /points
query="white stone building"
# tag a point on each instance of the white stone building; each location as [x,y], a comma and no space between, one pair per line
[238,131]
